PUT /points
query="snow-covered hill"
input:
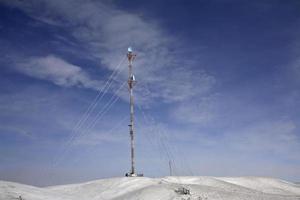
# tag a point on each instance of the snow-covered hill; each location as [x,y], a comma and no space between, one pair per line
[143,188]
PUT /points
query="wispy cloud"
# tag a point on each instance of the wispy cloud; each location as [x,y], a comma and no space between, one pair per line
[200,111]
[100,137]
[58,71]
[272,138]
[107,31]
[277,137]
[17,130]
[296,68]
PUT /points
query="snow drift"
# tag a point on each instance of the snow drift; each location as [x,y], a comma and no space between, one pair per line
[138,188]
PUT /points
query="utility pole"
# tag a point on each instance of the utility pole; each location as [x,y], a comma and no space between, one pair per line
[170,167]
[131,83]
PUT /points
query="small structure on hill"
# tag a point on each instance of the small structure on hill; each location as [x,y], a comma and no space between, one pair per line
[183,191]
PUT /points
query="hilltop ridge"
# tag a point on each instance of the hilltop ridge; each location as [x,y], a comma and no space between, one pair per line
[134,188]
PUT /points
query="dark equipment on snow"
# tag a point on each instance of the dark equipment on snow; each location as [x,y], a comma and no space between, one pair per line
[183,191]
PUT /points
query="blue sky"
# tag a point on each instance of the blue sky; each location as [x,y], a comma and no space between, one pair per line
[217,92]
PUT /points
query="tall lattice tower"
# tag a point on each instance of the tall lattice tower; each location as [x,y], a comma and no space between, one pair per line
[131,82]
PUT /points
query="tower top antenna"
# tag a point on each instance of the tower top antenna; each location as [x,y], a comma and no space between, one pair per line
[130,57]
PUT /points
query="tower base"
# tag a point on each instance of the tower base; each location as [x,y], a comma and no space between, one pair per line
[133,175]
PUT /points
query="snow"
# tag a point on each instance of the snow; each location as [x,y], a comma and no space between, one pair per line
[143,188]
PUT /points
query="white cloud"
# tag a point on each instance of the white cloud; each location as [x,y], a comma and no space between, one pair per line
[99,137]
[107,32]
[58,71]
[199,111]
[296,69]
[278,137]
[17,130]
[271,139]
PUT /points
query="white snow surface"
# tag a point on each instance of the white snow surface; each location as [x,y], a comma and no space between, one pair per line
[143,188]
